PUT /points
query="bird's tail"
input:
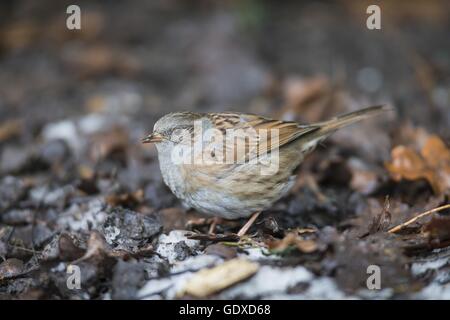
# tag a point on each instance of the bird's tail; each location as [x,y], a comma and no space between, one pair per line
[329,126]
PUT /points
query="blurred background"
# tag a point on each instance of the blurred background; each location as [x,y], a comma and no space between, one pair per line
[74,104]
[137,60]
[152,57]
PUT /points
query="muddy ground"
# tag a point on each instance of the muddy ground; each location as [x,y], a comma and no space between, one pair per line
[78,188]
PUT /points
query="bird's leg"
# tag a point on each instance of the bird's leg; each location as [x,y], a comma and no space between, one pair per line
[214,223]
[248,224]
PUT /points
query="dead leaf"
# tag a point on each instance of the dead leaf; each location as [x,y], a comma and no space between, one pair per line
[436,152]
[306,230]
[86,172]
[93,60]
[221,250]
[19,34]
[382,221]
[209,281]
[293,240]
[98,251]
[173,219]
[126,199]
[438,229]
[110,144]
[99,59]
[69,249]
[10,268]
[364,179]
[432,164]
[10,128]
[299,92]
[306,97]
[97,248]
[436,235]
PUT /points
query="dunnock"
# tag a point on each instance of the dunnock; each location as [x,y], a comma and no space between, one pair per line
[236,178]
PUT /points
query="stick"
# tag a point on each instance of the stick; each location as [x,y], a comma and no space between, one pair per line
[426,213]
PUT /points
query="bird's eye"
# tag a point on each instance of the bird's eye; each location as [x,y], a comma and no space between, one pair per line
[176,135]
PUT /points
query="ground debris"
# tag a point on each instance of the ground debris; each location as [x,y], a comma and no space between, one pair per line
[382,221]
[438,230]
[432,164]
[218,249]
[10,268]
[209,281]
[78,187]
[293,240]
[127,229]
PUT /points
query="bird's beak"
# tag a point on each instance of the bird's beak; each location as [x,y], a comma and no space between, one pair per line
[152,138]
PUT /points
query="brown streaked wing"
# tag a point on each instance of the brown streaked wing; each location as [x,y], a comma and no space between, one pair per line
[287,131]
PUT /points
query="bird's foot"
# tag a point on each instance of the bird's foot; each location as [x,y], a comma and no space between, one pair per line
[214,223]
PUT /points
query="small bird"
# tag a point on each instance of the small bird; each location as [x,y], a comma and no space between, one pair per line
[233,180]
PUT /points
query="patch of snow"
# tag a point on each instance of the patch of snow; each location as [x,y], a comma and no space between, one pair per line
[92,123]
[196,263]
[386,293]
[257,254]
[418,268]
[59,268]
[324,288]
[435,291]
[268,281]
[165,288]
[166,244]
[50,197]
[65,130]
[77,217]
[111,233]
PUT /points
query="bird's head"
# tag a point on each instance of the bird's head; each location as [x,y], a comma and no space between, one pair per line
[172,128]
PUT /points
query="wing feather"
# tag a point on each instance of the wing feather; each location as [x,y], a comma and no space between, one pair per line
[257,135]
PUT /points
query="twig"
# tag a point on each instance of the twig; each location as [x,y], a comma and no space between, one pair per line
[25,249]
[426,213]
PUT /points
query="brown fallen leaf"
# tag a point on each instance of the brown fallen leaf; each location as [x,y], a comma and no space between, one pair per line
[298,91]
[364,179]
[109,144]
[436,235]
[86,172]
[19,34]
[69,249]
[126,199]
[98,251]
[438,229]
[221,250]
[10,128]
[99,59]
[306,97]
[209,281]
[173,218]
[436,153]
[293,240]
[97,248]
[432,164]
